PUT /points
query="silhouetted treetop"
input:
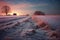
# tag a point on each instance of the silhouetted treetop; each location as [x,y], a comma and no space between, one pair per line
[39,13]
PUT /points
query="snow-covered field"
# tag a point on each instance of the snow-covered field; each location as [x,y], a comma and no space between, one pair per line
[52,20]
[9,21]
[9,18]
[24,28]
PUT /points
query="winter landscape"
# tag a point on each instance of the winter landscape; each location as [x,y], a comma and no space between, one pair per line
[29,19]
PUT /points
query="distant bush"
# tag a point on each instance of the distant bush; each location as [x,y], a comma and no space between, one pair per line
[14,13]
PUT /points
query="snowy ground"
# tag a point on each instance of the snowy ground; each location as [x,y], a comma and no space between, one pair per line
[52,20]
[24,28]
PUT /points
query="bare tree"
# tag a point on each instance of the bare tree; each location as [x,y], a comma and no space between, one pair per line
[38,13]
[5,9]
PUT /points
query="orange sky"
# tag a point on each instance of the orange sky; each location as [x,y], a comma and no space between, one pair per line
[20,9]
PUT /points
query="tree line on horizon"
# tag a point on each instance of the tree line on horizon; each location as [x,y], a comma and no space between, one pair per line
[6,9]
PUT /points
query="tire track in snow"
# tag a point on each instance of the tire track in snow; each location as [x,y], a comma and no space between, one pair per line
[13,23]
